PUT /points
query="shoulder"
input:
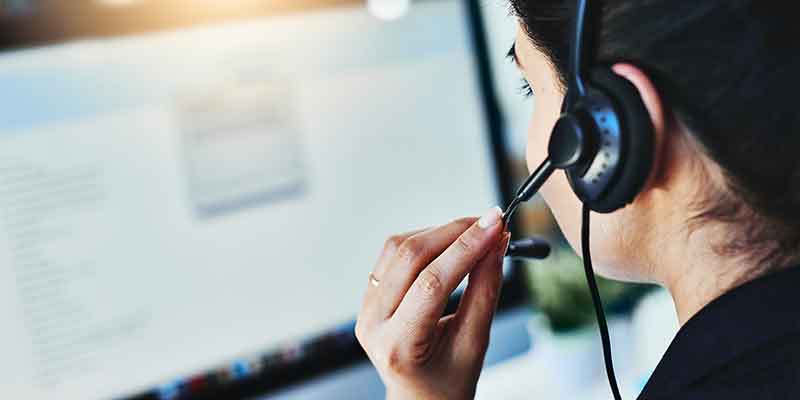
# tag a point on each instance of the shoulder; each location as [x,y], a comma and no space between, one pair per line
[744,345]
[770,372]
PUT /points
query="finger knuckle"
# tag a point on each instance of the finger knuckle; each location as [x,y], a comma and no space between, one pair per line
[430,282]
[391,244]
[403,359]
[418,353]
[411,249]
[395,361]
[465,242]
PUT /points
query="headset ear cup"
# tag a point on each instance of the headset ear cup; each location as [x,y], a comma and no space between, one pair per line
[637,133]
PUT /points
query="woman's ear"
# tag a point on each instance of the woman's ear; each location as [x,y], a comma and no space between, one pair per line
[655,107]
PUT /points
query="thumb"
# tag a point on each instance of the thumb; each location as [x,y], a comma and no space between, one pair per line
[473,319]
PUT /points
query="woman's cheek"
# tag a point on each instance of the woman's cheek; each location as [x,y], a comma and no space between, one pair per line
[545,114]
[539,130]
[557,192]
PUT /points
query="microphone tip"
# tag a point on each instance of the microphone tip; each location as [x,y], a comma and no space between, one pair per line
[529,248]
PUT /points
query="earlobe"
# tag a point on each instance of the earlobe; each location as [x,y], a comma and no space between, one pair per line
[655,108]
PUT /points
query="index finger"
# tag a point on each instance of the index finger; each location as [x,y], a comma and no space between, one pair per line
[425,302]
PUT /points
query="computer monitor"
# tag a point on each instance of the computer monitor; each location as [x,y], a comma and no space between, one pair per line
[193,192]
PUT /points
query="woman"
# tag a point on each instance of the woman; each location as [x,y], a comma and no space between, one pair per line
[717,223]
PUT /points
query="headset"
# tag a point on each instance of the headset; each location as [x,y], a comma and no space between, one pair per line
[603,141]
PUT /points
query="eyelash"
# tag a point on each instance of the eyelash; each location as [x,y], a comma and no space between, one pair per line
[525,88]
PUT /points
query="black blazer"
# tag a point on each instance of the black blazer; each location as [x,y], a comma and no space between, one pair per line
[743,345]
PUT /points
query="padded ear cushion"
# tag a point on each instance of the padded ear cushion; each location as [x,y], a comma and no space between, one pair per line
[637,132]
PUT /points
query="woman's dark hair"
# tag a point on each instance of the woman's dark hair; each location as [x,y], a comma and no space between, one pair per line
[729,70]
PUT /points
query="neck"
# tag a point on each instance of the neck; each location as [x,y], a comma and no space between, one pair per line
[691,294]
[683,258]
[695,274]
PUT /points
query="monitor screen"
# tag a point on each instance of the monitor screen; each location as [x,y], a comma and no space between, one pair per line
[175,200]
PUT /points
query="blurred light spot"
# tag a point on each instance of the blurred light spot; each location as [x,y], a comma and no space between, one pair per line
[388,9]
[118,3]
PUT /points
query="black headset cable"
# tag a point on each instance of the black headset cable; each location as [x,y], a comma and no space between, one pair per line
[598,304]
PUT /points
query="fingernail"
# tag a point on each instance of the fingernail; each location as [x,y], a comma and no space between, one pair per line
[491,218]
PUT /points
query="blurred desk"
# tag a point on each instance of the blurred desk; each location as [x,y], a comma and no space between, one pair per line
[570,365]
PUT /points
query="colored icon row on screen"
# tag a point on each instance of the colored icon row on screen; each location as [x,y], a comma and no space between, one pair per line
[257,367]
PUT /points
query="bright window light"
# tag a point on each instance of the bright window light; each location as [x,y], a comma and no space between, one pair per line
[388,9]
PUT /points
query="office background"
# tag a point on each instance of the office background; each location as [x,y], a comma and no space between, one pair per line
[155,240]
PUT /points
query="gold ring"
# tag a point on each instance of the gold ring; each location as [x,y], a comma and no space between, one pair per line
[373,280]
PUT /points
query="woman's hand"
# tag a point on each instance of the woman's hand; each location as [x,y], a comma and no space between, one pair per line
[419,353]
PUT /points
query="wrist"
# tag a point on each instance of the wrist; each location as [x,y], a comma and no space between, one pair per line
[403,393]
[396,393]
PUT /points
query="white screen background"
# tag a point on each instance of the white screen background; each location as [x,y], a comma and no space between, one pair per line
[137,247]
